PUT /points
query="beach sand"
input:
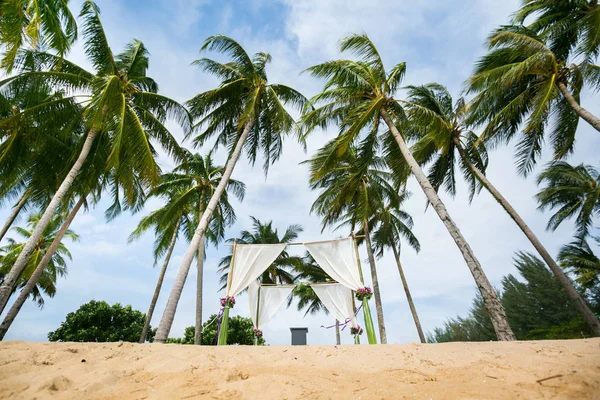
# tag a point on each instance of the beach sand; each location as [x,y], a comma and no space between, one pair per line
[562,369]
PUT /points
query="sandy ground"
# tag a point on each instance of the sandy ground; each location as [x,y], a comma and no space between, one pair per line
[519,370]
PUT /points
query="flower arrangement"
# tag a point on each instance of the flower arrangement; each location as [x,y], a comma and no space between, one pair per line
[228,301]
[257,332]
[356,330]
[364,293]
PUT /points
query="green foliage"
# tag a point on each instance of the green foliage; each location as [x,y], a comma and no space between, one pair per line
[244,96]
[97,321]
[578,258]
[240,332]
[186,191]
[537,308]
[517,93]
[574,191]
[35,23]
[56,267]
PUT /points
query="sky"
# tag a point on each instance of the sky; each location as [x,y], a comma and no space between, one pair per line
[439,41]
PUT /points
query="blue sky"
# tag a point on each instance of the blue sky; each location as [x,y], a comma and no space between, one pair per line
[439,41]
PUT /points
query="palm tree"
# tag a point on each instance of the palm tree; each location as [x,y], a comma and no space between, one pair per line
[51,256]
[54,267]
[578,258]
[357,95]
[187,191]
[352,189]
[24,163]
[445,138]
[575,191]
[520,84]
[568,26]
[35,22]
[282,270]
[392,225]
[244,111]
[121,108]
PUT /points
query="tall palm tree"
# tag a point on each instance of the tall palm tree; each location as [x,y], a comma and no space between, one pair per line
[446,139]
[121,108]
[578,258]
[282,270]
[520,84]
[56,267]
[52,255]
[352,188]
[358,95]
[245,111]
[35,22]
[574,191]
[568,26]
[392,225]
[25,165]
[187,190]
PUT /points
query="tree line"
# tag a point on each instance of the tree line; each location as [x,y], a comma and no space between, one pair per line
[71,135]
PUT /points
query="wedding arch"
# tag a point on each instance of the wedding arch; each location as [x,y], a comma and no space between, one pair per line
[338,258]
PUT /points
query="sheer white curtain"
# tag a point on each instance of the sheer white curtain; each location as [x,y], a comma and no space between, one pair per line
[251,260]
[338,259]
[270,300]
[338,300]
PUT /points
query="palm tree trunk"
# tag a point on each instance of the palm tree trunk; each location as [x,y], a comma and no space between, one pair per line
[161,278]
[13,215]
[376,292]
[199,283]
[12,277]
[559,274]
[169,314]
[490,299]
[33,280]
[411,304]
[338,339]
[582,112]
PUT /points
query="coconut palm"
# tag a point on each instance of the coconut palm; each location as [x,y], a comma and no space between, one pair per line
[35,23]
[187,190]
[54,268]
[357,96]
[51,256]
[578,258]
[352,189]
[245,111]
[121,108]
[568,26]
[520,84]
[392,225]
[282,270]
[445,142]
[25,166]
[574,191]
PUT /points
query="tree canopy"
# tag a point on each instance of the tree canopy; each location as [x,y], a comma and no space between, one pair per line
[98,321]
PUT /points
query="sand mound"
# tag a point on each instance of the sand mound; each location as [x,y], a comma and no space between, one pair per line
[527,370]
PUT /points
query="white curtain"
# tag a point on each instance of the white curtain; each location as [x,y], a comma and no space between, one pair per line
[337,299]
[338,259]
[270,300]
[251,260]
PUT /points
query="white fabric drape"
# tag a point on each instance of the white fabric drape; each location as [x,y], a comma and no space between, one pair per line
[337,299]
[251,260]
[270,300]
[338,259]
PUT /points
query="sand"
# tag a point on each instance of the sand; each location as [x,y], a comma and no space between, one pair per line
[519,370]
